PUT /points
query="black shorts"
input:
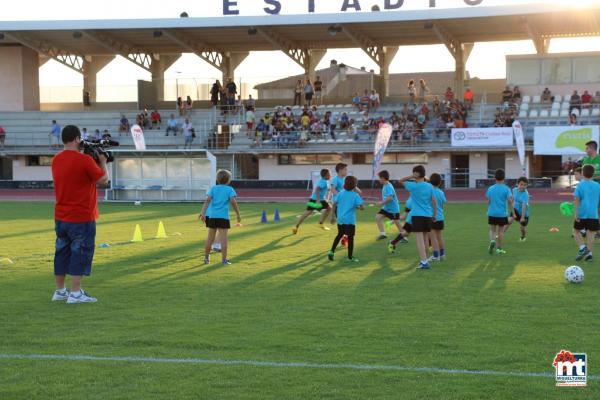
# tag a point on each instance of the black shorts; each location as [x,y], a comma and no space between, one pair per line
[408,227]
[308,96]
[217,223]
[406,210]
[348,230]
[324,205]
[422,224]
[438,226]
[591,225]
[525,222]
[498,221]
[389,215]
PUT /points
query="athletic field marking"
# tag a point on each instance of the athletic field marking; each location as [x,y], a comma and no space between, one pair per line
[254,363]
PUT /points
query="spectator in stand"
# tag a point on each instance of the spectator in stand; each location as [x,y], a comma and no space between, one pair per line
[305,120]
[172,125]
[298,89]
[436,106]
[516,96]
[356,101]
[250,118]
[547,96]
[573,120]
[507,95]
[597,99]
[85,134]
[231,93]
[309,91]
[318,91]
[449,95]
[586,99]
[344,121]
[374,100]
[156,119]
[365,100]
[223,99]
[468,98]
[55,135]
[188,133]
[188,104]
[250,104]
[124,125]
[214,93]
[261,130]
[239,105]
[2,137]
[412,91]
[333,122]
[180,106]
[106,135]
[423,89]
[575,102]
[97,135]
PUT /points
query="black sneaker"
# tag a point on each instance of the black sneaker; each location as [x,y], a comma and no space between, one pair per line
[404,240]
[581,254]
[381,237]
[588,257]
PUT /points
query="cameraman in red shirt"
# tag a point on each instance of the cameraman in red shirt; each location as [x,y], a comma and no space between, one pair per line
[75,177]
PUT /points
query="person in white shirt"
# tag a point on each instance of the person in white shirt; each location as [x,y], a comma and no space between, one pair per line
[374,98]
[188,133]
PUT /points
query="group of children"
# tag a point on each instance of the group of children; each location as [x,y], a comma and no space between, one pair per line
[423,215]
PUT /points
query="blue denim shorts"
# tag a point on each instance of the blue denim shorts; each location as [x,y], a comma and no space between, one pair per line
[75,244]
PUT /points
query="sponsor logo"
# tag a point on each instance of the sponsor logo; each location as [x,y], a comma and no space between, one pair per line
[571,368]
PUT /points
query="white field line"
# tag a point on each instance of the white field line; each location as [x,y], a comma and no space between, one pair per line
[273,364]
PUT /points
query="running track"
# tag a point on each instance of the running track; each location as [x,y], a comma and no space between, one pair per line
[301,195]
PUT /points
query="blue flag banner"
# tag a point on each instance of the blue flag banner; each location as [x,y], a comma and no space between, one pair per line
[381,143]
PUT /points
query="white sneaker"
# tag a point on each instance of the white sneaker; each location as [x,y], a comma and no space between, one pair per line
[433,259]
[60,295]
[82,298]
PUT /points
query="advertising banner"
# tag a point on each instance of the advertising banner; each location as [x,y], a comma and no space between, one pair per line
[563,140]
[482,137]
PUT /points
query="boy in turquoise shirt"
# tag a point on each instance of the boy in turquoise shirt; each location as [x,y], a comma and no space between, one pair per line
[437,237]
[344,209]
[498,195]
[390,205]
[587,202]
[319,201]
[521,206]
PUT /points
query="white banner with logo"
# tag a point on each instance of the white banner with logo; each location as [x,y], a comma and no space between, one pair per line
[482,137]
[563,140]
[520,140]
[138,137]
[383,138]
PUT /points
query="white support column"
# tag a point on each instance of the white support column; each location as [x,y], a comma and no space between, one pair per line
[91,66]
[159,65]
[313,58]
[387,56]
[230,62]
[19,79]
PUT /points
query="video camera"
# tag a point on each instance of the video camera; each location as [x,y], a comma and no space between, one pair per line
[94,148]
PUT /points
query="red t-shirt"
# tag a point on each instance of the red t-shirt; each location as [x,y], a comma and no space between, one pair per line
[75,176]
[586,99]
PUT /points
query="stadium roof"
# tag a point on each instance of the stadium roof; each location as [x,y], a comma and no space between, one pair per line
[308,31]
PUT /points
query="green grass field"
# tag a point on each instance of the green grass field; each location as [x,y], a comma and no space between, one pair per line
[283,302]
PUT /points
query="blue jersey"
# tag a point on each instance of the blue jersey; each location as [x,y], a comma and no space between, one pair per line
[421,194]
[393,206]
[588,193]
[337,184]
[498,195]
[347,202]
[521,198]
[323,185]
[440,200]
[220,197]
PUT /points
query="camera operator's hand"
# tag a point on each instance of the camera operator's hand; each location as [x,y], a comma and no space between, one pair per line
[102,158]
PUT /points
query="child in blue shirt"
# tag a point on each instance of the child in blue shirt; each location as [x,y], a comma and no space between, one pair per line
[587,202]
[319,201]
[344,209]
[406,228]
[498,195]
[337,183]
[423,210]
[215,213]
[390,205]
[437,237]
[521,206]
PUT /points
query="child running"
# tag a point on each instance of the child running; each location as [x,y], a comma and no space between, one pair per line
[423,211]
[437,237]
[337,183]
[317,202]
[498,195]
[587,199]
[521,208]
[344,208]
[215,214]
[390,205]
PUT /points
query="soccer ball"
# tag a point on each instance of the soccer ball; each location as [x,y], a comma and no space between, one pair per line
[574,274]
[216,247]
